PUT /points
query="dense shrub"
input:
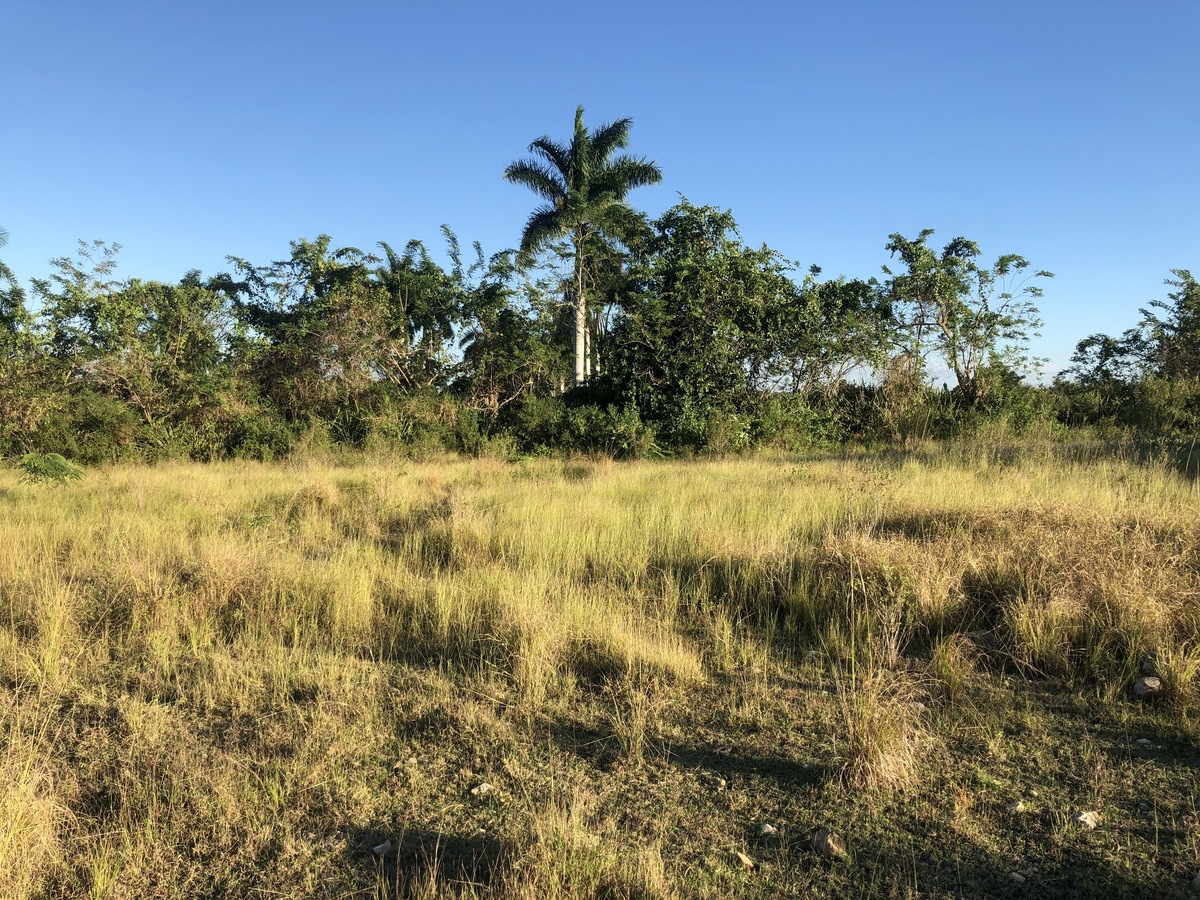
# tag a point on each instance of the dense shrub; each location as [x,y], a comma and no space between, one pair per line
[793,422]
[89,427]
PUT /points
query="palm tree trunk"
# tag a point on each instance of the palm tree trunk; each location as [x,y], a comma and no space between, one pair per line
[580,315]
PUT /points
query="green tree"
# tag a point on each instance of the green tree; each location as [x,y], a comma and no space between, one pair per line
[150,344]
[695,337]
[979,319]
[1163,345]
[14,318]
[584,185]
[23,402]
[509,343]
[1149,377]
[1174,336]
[81,303]
[423,310]
[315,329]
[138,364]
[826,331]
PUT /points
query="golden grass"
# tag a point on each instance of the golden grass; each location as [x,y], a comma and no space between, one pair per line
[311,607]
[31,817]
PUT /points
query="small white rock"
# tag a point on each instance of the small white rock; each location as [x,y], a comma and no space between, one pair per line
[1086,820]
[1144,742]
[480,789]
[383,849]
[1016,877]
[766,829]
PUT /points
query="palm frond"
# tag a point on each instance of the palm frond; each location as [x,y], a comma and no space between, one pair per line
[539,178]
[415,253]
[6,274]
[393,258]
[544,225]
[552,151]
[579,172]
[623,175]
[607,139]
[454,251]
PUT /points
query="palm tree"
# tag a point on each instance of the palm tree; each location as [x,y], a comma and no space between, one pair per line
[584,187]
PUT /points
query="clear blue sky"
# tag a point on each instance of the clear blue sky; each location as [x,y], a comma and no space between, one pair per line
[1064,130]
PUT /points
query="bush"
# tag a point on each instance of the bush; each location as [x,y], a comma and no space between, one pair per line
[90,427]
[1166,406]
[535,424]
[726,433]
[421,425]
[619,433]
[254,432]
[42,468]
[792,422]
[545,424]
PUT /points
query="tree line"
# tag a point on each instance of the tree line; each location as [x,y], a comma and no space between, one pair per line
[603,330]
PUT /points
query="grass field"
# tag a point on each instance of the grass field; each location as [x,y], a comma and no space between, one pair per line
[236,680]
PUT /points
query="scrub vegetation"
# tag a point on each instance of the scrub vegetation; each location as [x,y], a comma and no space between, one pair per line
[244,679]
[601,331]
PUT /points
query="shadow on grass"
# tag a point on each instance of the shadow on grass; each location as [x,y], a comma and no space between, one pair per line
[953,866]
[421,856]
[601,748]
[734,763]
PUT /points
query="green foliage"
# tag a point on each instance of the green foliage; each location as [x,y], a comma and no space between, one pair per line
[616,432]
[825,331]
[1161,405]
[688,340]
[977,319]
[510,343]
[693,339]
[1174,336]
[315,332]
[584,185]
[1149,378]
[421,424]
[15,320]
[552,424]
[424,306]
[90,427]
[793,422]
[48,468]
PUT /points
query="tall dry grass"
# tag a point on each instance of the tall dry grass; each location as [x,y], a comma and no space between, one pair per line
[282,611]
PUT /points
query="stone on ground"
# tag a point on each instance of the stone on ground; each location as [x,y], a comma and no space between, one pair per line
[1145,688]
[828,844]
